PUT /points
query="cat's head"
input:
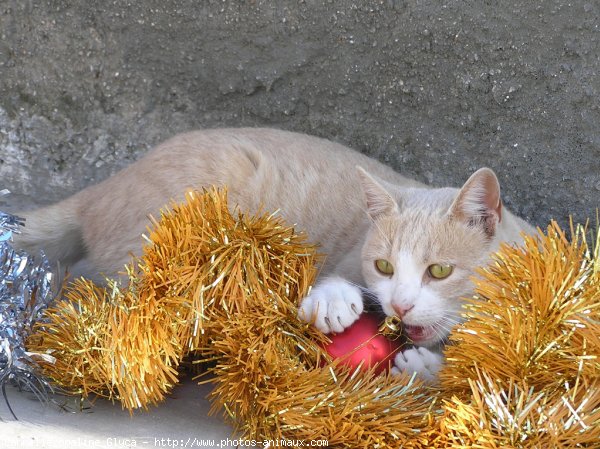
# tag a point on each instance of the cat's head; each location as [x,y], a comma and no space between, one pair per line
[423,247]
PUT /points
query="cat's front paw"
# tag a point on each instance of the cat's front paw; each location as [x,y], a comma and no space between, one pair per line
[419,360]
[332,305]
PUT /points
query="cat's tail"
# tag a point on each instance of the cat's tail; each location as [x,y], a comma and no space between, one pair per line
[54,229]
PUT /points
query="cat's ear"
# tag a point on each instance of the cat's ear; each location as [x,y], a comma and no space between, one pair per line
[378,200]
[478,203]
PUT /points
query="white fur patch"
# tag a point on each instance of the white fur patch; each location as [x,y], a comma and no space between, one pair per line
[405,290]
[418,360]
[333,305]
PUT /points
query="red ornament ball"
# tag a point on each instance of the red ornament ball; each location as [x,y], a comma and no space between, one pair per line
[362,343]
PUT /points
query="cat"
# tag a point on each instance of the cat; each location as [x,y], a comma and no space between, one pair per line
[413,247]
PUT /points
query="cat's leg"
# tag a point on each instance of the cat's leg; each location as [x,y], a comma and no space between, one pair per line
[333,305]
[424,362]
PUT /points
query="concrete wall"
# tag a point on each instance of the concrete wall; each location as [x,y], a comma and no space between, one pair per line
[436,89]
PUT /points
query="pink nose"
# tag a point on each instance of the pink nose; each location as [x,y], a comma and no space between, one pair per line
[402,310]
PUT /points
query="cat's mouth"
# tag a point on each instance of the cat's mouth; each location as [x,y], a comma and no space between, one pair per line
[419,334]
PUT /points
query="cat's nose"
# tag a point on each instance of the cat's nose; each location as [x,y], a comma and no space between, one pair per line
[402,310]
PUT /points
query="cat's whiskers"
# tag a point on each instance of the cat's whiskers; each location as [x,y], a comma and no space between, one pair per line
[439,330]
[448,319]
[444,326]
[447,324]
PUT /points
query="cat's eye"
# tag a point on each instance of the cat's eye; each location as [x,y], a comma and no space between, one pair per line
[384,267]
[439,271]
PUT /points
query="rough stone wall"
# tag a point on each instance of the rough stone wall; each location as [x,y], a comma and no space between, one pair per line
[434,88]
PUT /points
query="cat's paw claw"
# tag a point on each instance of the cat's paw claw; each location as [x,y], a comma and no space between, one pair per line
[418,360]
[333,305]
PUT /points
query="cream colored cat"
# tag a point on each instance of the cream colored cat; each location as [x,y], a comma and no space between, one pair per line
[413,247]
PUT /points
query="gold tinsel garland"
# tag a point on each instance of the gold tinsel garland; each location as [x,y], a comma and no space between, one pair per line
[224,287]
[524,369]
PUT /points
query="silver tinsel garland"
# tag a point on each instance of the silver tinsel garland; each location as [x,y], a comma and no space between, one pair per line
[26,289]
